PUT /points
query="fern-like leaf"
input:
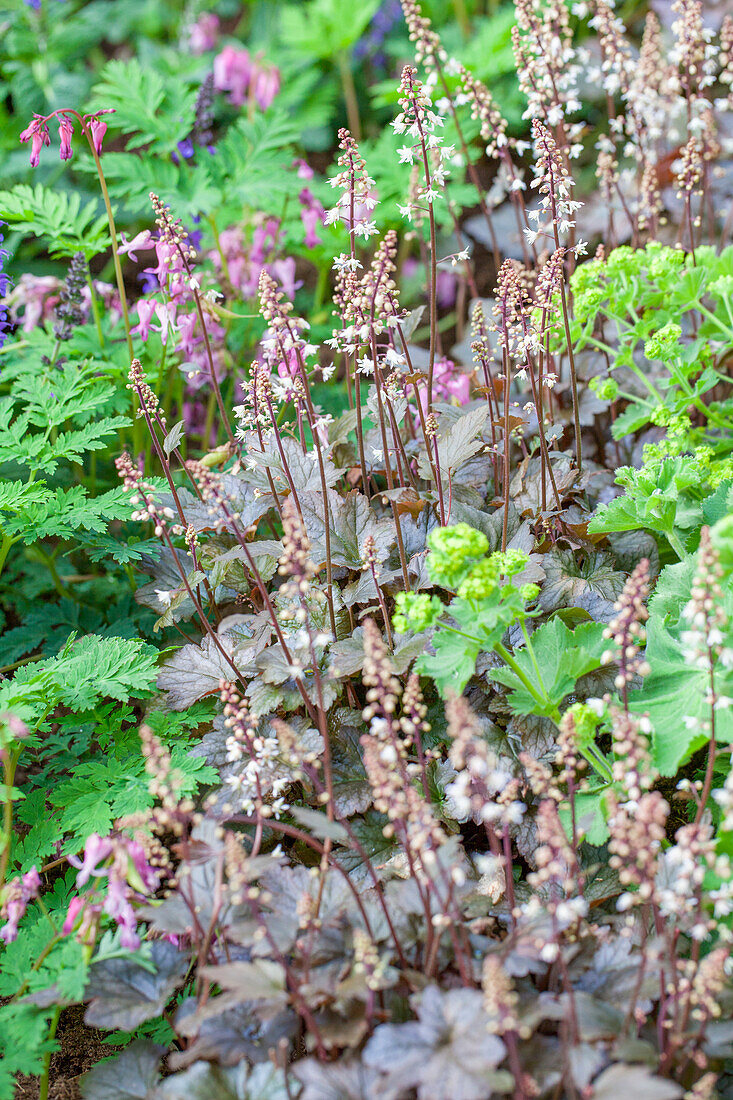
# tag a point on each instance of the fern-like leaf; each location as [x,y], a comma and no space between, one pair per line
[58,217]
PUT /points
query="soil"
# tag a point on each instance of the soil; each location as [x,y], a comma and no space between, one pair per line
[81,1047]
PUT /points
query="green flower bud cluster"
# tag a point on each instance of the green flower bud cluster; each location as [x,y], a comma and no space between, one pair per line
[586,723]
[415,610]
[661,261]
[605,388]
[664,344]
[484,577]
[452,551]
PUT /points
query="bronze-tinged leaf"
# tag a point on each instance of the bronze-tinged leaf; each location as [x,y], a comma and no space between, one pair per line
[124,993]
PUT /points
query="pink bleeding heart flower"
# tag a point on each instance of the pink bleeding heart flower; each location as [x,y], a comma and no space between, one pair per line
[38,135]
[96,850]
[15,898]
[142,240]
[203,34]
[75,907]
[266,84]
[232,72]
[145,312]
[98,129]
[66,131]
[166,314]
[311,217]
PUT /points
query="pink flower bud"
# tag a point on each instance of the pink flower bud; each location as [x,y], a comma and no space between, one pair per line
[38,135]
[16,726]
[75,907]
[98,130]
[204,33]
[65,132]
[311,218]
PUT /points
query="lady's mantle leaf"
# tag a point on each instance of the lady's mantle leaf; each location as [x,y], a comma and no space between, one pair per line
[562,655]
[675,698]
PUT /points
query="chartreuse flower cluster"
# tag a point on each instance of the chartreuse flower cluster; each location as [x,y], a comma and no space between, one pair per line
[486,603]
[668,322]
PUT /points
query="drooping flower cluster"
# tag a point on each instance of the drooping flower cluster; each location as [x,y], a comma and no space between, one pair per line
[240,259]
[92,126]
[178,313]
[14,900]
[121,861]
[245,78]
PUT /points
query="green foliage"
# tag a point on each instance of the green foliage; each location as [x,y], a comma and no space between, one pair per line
[443,808]
[57,217]
[665,496]
[553,661]
[146,109]
[647,298]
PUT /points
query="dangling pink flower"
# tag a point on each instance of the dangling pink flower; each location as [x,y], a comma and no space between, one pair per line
[16,896]
[142,240]
[149,876]
[203,34]
[81,917]
[166,314]
[75,907]
[145,312]
[96,850]
[284,271]
[186,333]
[66,131]
[38,135]
[311,217]
[305,172]
[446,289]
[98,130]
[266,86]
[232,72]
[291,367]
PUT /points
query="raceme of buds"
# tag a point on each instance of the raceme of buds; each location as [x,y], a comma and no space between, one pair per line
[626,628]
[357,199]
[427,42]
[554,183]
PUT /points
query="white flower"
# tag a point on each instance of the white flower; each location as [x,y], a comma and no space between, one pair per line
[164,597]
[346,263]
[406,154]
